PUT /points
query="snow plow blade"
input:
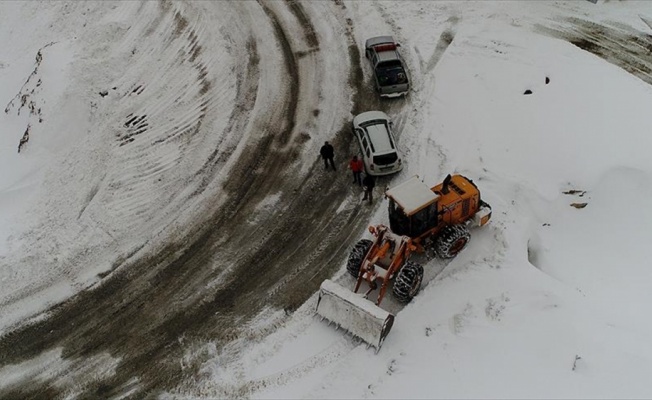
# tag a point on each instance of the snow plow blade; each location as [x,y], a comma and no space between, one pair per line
[359,316]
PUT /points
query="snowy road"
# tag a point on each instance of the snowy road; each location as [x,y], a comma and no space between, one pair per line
[226,252]
[184,198]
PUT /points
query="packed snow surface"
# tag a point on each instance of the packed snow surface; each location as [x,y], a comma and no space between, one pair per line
[549,300]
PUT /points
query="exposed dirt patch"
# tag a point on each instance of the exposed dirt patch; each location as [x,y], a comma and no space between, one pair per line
[28,97]
[181,21]
[620,45]
[365,98]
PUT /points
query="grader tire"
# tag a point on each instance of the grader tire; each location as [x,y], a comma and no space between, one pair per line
[356,256]
[408,282]
[452,240]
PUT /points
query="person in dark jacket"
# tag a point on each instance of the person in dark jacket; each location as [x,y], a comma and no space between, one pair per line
[356,166]
[368,183]
[327,153]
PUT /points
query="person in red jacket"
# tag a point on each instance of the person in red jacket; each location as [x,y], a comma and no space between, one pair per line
[356,167]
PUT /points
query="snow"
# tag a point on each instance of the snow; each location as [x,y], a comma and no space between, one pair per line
[547,301]
[77,198]
[411,194]
[49,364]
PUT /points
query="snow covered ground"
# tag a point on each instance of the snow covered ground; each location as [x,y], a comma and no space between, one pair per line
[547,301]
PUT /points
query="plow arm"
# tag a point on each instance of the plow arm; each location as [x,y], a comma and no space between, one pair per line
[361,317]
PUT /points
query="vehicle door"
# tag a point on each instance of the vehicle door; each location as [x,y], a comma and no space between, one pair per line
[366,150]
[374,63]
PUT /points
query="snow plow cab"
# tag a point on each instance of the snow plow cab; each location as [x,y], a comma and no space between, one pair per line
[439,216]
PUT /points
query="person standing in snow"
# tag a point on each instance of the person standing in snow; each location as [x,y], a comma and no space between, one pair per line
[327,153]
[356,166]
[368,183]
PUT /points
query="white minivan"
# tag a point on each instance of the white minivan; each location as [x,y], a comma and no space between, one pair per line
[380,153]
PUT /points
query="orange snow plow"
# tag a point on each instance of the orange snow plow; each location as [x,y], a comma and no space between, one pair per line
[420,216]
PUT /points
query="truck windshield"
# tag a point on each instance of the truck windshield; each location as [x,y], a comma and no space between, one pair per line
[399,223]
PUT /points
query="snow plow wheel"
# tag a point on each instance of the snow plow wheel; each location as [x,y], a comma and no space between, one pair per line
[356,256]
[408,282]
[452,240]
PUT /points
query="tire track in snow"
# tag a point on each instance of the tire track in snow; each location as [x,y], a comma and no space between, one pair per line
[145,160]
[87,310]
[328,356]
[142,309]
[445,40]
[308,30]
[292,69]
